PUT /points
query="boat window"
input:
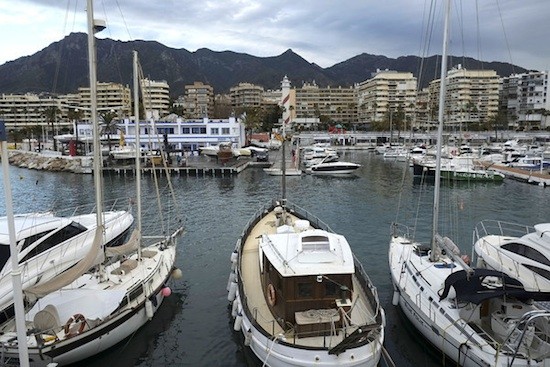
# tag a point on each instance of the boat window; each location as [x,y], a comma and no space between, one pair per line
[35,237]
[4,254]
[527,252]
[331,289]
[315,243]
[305,290]
[539,271]
[55,239]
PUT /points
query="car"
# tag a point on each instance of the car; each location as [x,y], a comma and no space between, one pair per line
[261,156]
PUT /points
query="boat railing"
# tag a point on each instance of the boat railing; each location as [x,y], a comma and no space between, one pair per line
[401,230]
[519,342]
[368,287]
[110,205]
[500,228]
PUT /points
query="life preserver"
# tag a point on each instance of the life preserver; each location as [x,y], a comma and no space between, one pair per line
[73,320]
[271,298]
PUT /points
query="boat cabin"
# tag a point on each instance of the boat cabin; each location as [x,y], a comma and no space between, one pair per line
[307,277]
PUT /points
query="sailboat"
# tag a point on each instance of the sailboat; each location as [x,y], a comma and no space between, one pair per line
[91,307]
[475,317]
[298,294]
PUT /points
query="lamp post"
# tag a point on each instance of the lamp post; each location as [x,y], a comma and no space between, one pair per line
[76,112]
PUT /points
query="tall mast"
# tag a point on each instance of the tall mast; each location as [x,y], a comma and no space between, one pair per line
[23,349]
[138,148]
[441,114]
[92,64]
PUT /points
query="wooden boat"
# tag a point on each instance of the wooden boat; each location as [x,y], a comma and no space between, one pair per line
[298,294]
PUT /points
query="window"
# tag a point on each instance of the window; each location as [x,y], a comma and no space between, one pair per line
[225,131]
[527,252]
[305,290]
[186,130]
[165,130]
[541,272]
[4,254]
[198,130]
[55,239]
[331,289]
[214,131]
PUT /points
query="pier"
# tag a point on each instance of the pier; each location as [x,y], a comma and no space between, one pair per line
[535,177]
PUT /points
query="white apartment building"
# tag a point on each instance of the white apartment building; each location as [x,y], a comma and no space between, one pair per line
[526,100]
[472,98]
[156,98]
[386,94]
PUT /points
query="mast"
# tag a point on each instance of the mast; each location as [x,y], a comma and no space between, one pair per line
[15,271]
[138,149]
[92,64]
[442,90]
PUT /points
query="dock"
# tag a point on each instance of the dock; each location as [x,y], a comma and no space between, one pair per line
[194,167]
[535,177]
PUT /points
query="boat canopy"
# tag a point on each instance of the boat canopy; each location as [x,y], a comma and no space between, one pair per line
[485,284]
[308,252]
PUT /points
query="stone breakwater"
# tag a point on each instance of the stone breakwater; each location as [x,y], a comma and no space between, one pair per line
[50,162]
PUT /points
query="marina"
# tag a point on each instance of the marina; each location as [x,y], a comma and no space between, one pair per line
[194,326]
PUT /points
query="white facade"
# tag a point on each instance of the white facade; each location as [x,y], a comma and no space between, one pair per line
[186,135]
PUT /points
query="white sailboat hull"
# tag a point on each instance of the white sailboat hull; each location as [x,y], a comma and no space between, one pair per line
[417,287]
[67,349]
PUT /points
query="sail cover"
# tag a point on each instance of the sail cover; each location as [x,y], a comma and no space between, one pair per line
[484,284]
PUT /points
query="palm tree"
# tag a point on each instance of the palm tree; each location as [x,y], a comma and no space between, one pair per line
[108,125]
[50,113]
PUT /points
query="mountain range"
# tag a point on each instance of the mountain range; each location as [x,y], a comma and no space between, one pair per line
[62,67]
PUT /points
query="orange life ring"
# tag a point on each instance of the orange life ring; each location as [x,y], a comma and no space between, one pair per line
[271,298]
[73,320]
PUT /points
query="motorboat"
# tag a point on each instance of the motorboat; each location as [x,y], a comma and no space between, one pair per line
[459,168]
[473,316]
[49,244]
[299,295]
[92,307]
[520,251]
[333,168]
[529,163]
[125,152]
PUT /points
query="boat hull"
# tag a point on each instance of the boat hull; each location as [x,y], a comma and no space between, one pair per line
[358,343]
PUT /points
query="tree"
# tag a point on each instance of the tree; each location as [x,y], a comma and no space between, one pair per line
[75,115]
[108,125]
[50,113]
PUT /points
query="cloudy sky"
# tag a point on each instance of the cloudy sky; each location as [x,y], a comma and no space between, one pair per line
[324,32]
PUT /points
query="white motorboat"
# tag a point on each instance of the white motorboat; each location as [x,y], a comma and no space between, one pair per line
[48,245]
[459,168]
[299,296]
[333,168]
[520,251]
[125,152]
[476,317]
[89,308]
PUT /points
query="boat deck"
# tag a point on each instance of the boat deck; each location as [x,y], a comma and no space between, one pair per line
[251,277]
[362,310]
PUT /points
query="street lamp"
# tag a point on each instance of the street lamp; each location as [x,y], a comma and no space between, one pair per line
[76,112]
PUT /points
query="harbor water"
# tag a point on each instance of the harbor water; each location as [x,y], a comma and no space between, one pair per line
[193,326]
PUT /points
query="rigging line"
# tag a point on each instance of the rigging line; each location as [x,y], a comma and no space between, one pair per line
[505,36]
[478,34]
[115,58]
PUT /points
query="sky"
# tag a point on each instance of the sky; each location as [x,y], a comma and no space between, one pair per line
[324,32]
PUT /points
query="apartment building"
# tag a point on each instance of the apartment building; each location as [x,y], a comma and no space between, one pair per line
[472,98]
[246,95]
[336,104]
[111,97]
[156,98]
[386,94]
[198,101]
[525,98]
